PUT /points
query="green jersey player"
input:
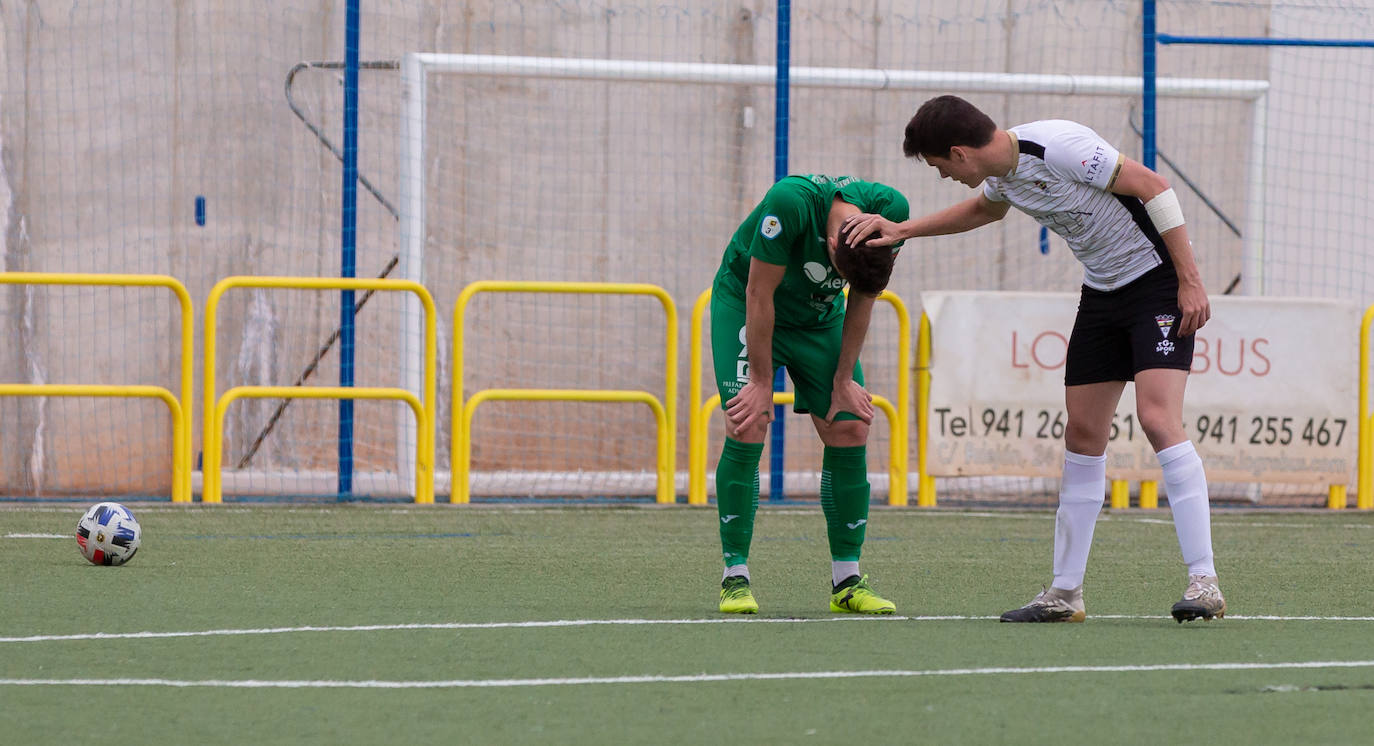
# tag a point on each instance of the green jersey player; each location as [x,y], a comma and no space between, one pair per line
[778,300]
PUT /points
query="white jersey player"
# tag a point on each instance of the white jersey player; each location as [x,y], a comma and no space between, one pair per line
[1142,300]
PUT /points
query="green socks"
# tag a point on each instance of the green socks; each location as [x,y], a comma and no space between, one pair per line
[737,498]
[844,499]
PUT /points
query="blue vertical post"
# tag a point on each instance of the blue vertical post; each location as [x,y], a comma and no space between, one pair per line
[780,113]
[349,242]
[1147,96]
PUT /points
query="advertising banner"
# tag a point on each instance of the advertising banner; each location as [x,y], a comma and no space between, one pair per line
[1271,396]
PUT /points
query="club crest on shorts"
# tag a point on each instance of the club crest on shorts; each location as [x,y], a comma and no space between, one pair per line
[1165,321]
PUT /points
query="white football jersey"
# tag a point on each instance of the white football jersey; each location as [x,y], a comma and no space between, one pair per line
[1061,179]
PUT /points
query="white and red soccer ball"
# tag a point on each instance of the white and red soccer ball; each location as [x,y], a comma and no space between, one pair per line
[108,534]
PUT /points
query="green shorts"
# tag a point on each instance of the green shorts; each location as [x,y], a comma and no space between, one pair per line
[809,353]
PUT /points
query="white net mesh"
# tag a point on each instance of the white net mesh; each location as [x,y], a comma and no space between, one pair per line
[114,120]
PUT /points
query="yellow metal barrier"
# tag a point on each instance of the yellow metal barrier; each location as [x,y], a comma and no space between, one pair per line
[181,408]
[424,464]
[1149,494]
[1121,494]
[925,489]
[787,397]
[698,417]
[425,412]
[461,449]
[696,421]
[1364,497]
[462,465]
[180,459]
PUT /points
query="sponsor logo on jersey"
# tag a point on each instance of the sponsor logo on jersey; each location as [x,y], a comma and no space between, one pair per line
[1165,322]
[1094,164]
[815,272]
[771,226]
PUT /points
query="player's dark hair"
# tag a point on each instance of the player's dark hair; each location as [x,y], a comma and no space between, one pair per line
[867,268]
[944,122]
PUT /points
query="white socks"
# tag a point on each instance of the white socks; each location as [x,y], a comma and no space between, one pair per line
[838,571]
[1081,493]
[841,570]
[1186,486]
[1080,500]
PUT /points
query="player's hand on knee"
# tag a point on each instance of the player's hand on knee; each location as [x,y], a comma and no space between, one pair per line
[751,408]
[850,397]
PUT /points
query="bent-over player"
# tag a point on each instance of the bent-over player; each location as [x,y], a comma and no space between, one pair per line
[778,299]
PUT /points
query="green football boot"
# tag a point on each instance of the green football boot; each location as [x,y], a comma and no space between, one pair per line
[735,596]
[854,595]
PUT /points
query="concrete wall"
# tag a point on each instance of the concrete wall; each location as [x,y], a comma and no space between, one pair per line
[114,116]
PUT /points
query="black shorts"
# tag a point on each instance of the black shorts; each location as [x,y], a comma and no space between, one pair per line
[1121,332]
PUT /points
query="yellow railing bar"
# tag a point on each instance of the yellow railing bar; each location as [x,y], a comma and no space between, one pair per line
[698,417]
[459,434]
[787,397]
[181,464]
[925,490]
[1149,494]
[425,439]
[697,422]
[180,459]
[1364,497]
[462,463]
[1336,497]
[1121,494]
[424,466]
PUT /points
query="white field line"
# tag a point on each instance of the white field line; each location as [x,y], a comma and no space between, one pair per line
[40,536]
[684,679]
[566,623]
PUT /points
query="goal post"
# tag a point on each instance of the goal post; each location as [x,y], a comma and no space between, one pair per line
[418,69]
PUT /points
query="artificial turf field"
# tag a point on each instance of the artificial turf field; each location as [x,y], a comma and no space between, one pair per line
[384,624]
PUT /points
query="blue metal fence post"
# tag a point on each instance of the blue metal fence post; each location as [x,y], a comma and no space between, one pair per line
[780,114]
[1147,98]
[349,239]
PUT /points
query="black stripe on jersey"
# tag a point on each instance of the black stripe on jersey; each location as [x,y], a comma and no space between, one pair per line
[1031,148]
[1142,220]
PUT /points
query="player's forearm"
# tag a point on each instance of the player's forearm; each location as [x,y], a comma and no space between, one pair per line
[857,315]
[758,336]
[1181,252]
[964,216]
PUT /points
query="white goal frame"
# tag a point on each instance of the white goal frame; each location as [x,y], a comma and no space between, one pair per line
[417,66]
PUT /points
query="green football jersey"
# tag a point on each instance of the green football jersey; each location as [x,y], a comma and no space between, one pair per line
[788,227]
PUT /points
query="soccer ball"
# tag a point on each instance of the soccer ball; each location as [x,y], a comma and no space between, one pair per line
[108,534]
